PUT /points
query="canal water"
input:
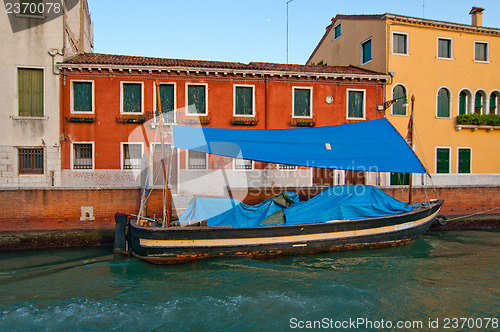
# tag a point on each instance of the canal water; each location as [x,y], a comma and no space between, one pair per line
[424,285]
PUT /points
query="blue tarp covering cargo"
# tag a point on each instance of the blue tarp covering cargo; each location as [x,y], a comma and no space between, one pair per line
[350,202]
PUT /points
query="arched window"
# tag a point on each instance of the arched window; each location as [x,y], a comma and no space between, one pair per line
[494,98]
[443,103]
[464,102]
[479,103]
[399,92]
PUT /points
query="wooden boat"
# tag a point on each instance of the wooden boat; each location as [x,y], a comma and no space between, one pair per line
[365,146]
[180,244]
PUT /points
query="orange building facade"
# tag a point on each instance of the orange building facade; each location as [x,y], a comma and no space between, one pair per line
[108,120]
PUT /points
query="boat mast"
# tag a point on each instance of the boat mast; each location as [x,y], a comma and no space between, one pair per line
[166,214]
[410,191]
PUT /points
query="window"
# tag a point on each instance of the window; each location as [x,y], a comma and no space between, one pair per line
[400,43]
[197,160]
[197,99]
[444,48]
[167,99]
[337,31]
[494,97]
[479,102]
[464,160]
[243,101]
[400,179]
[82,96]
[399,92]
[302,104]
[132,99]
[464,100]
[443,101]
[443,160]
[356,104]
[30,91]
[366,51]
[30,161]
[481,51]
[83,156]
[131,155]
[31,7]
[284,166]
[243,164]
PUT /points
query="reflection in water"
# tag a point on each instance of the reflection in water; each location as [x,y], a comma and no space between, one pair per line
[441,275]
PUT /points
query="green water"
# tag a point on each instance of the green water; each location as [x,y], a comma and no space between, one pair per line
[437,278]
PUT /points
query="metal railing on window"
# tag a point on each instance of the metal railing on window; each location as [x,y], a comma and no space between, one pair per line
[31,161]
[82,156]
[132,154]
[197,160]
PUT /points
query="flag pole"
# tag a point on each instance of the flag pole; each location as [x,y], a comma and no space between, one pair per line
[410,193]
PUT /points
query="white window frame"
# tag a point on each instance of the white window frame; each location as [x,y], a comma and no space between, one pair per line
[206,99]
[44,116]
[450,102]
[72,157]
[436,159]
[196,169]
[470,101]
[487,51]
[72,97]
[451,48]
[310,106]
[361,51]
[486,105]
[253,100]
[458,158]
[121,98]
[406,96]
[243,169]
[122,160]
[155,118]
[347,104]
[407,43]
[334,28]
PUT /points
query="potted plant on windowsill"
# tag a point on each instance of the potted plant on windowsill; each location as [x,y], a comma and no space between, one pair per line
[303,122]
[244,121]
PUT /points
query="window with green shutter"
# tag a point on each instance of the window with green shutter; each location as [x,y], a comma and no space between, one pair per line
[443,103]
[444,48]
[132,97]
[196,99]
[464,160]
[167,100]
[478,102]
[399,92]
[30,91]
[494,102]
[355,104]
[400,179]
[301,102]
[399,43]
[480,51]
[82,97]
[463,103]
[243,103]
[443,160]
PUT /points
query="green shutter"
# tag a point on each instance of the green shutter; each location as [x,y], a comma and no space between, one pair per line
[398,108]
[400,179]
[30,92]
[132,97]
[82,96]
[196,99]
[167,98]
[302,102]
[464,160]
[355,109]
[443,104]
[443,160]
[493,103]
[244,100]
[463,103]
[444,48]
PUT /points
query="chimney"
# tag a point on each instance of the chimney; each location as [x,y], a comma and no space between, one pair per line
[477,16]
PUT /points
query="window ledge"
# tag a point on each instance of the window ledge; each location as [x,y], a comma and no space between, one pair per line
[476,127]
[16,117]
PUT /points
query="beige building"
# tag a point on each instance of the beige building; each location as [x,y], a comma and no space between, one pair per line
[34,36]
[453,70]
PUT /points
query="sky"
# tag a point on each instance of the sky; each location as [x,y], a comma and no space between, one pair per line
[248,30]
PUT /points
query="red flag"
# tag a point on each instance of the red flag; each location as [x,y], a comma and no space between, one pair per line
[410,125]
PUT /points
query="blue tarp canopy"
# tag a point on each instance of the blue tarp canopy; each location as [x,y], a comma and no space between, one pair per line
[349,202]
[365,146]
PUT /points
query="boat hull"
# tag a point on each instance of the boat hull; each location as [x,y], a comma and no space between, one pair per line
[183,244]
